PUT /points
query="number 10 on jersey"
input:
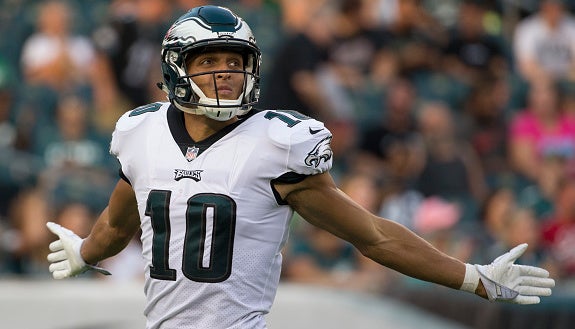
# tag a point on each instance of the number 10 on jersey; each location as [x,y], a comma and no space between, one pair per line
[209,237]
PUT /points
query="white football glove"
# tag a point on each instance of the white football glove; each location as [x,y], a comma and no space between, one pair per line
[65,259]
[505,281]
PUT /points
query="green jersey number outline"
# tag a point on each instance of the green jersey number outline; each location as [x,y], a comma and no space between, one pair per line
[282,115]
[153,107]
[209,237]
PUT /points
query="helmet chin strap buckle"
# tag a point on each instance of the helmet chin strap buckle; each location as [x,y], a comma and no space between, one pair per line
[163,87]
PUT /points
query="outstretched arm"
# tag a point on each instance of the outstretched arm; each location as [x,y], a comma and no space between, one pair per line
[319,201]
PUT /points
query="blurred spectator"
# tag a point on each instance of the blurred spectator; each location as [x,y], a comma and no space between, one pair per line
[496,208]
[57,61]
[544,43]
[357,47]
[320,258]
[8,136]
[29,239]
[130,43]
[437,221]
[484,123]
[18,171]
[508,222]
[568,103]
[538,196]
[472,53]
[416,36]
[70,141]
[541,130]
[75,216]
[359,62]
[390,145]
[27,244]
[78,167]
[418,39]
[292,83]
[452,169]
[185,5]
[558,231]
[363,189]
[390,149]
[53,56]
[7,94]
[90,186]
[344,147]
[296,14]
[401,204]
[518,226]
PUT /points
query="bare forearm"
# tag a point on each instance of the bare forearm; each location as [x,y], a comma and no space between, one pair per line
[384,241]
[405,252]
[105,240]
[411,255]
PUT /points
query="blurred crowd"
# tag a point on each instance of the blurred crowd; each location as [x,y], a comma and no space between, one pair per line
[455,118]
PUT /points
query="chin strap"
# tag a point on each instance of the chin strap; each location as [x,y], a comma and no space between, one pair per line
[163,87]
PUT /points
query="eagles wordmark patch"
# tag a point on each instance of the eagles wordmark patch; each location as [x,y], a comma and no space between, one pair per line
[192,174]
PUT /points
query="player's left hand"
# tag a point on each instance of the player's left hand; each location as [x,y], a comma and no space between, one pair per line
[65,258]
[520,284]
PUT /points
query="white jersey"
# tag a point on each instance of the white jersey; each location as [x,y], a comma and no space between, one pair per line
[212,226]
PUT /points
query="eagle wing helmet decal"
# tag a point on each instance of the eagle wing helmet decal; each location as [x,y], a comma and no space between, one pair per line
[322,151]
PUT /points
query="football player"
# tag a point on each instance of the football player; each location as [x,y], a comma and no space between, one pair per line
[213,184]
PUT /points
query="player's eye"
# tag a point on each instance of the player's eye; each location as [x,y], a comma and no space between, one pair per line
[234,63]
[206,61]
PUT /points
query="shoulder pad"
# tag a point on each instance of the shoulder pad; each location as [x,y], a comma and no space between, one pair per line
[306,140]
[131,119]
[135,117]
[287,127]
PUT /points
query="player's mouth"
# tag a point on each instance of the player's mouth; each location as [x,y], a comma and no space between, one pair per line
[225,91]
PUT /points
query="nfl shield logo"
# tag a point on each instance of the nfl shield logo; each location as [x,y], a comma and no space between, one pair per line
[192,153]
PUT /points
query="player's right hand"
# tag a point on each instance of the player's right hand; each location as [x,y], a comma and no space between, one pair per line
[65,258]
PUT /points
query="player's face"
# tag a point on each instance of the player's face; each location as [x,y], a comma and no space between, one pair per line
[228,85]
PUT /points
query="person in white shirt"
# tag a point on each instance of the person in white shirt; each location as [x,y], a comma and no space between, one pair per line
[53,56]
[544,44]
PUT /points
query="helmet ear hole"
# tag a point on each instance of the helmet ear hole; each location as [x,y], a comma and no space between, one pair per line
[186,59]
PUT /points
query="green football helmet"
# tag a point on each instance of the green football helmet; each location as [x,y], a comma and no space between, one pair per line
[201,29]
